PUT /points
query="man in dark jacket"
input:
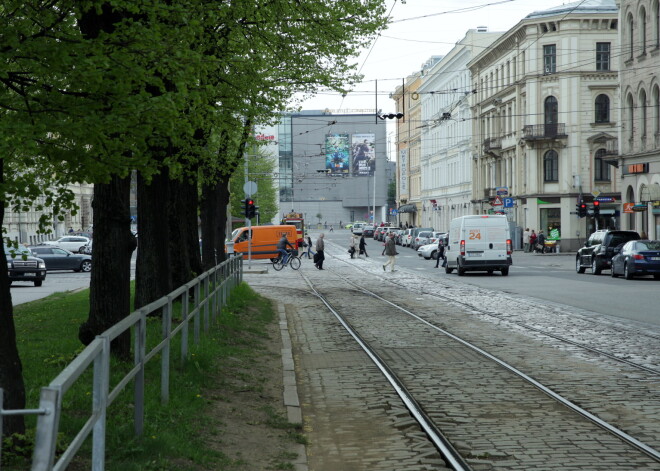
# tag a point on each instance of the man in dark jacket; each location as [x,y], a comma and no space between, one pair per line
[281,248]
[441,252]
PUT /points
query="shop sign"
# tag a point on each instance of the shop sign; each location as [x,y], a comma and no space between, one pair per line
[606,199]
[502,191]
[632,169]
[628,207]
[638,208]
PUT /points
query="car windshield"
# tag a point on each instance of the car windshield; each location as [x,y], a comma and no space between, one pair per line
[650,245]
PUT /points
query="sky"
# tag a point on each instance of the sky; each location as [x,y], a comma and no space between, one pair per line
[418,30]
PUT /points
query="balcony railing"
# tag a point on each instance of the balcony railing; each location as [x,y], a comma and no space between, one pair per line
[612,147]
[492,143]
[544,131]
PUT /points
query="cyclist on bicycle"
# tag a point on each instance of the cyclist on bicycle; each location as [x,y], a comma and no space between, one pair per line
[281,248]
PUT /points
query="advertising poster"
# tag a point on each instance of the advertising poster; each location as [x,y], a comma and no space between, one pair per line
[337,153]
[363,154]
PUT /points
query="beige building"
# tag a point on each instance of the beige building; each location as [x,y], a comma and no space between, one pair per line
[544,121]
[408,152]
[639,143]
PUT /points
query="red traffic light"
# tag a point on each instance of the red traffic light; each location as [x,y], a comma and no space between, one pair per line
[249,202]
[596,203]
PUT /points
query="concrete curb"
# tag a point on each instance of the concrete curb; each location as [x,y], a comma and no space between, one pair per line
[291,401]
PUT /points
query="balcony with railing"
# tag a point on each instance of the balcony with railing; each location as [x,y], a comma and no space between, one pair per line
[538,132]
[612,147]
[492,143]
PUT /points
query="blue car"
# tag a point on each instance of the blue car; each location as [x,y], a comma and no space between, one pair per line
[637,258]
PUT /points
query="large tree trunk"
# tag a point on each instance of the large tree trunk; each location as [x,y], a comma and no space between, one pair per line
[185,258]
[213,209]
[110,286]
[153,278]
[11,369]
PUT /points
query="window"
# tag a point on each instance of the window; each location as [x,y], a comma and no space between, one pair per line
[602,109]
[602,56]
[550,58]
[550,113]
[601,168]
[643,116]
[631,36]
[551,166]
[656,110]
[642,29]
[630,121]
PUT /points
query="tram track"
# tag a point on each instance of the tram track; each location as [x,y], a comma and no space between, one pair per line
[327,299]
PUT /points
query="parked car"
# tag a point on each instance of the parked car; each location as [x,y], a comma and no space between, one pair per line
[406,237]
[428,251]
[368,231]
[23,266]
[398,237]
[637,258]
[415,232]
[421,239]
[599,248]
[436,235]
[57,258]
[391,230]
[87,249]
[71,243]
[358,228]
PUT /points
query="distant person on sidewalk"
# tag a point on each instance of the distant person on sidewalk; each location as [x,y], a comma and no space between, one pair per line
[441,253]
[320,249]
[532,241]
[526,235]
[351,246]
[390,251]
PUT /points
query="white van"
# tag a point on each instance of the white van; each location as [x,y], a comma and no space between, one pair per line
[479,243]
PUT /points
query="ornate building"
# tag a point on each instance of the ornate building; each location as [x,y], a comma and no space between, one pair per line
[544,121]
[639,139]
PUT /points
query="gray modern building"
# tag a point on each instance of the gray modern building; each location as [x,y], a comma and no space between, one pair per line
[333,167]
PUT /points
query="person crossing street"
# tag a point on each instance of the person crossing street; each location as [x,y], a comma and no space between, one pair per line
[390,251]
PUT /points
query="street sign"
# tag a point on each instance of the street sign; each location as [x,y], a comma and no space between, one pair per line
[502,191]
[595,193]
[395,212]
[606,199]
[250,188]
[508,202]
[628,207]
[497,201]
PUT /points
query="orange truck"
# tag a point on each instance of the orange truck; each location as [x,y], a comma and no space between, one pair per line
[264,240]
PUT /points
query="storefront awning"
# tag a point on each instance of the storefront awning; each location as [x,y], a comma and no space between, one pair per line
[649,193]
[408,208]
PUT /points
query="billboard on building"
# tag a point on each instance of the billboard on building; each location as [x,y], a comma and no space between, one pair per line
[403,172]
[337,153]
[363,153]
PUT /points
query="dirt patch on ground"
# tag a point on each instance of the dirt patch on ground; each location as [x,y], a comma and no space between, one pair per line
[248,409]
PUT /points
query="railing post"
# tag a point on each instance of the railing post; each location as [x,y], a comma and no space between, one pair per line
[197,314]
[100,404]
[205,290]
[165,355]
[185,311]
[139,355]
[45,440]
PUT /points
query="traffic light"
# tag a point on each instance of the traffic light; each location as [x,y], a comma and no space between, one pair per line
[581,209]
[596,209]
[250,208]
[391,116]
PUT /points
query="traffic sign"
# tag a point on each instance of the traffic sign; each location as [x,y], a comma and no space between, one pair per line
[250,188]
[497,201]
[508,202]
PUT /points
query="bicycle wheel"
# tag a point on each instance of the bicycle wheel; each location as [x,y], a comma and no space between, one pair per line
[277,264]
[294,262]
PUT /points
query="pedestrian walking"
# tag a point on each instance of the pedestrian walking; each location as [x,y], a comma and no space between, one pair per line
[320,249]
[363,246]
[310,253]
[441,253]
[540,242]
[351,246]
[532,241]
[390,251]
[526,235]
[331,229]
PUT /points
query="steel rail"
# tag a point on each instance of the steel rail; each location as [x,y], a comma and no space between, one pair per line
[442,444]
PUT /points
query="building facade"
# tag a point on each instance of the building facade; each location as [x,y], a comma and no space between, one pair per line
[639,138]
[446,93]
[333,167]
[544,122]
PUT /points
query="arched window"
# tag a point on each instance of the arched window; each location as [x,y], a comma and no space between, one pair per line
[642,30]
[550,115]
[630,121]
[656,21]
[631,35]
[601,169]
[551,166]
[643,114]
[602,109]
[656,110]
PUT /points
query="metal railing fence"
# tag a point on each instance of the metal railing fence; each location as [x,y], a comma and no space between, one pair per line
[210,290]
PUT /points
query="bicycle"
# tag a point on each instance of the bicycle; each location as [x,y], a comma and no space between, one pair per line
[293,260]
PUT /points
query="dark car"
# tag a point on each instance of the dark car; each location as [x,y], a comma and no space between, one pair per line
[598,250]
[23,266]
[61,259]
[368,231]
[637,258]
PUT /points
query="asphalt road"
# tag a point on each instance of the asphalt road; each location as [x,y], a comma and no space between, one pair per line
[551,277]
